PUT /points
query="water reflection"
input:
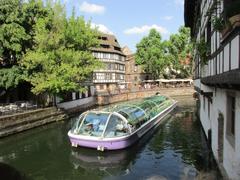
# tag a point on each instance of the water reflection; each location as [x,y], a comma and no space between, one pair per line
[175,150]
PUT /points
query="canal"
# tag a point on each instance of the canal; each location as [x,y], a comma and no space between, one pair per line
[177,149]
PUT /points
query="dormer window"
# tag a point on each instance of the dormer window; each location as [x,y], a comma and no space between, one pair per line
[117,48]
[105,46]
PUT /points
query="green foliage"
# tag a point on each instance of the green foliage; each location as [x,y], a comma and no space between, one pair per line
[203,51]
[151,54]
[17,21]
[61,58]
[179,46]
[174,54]
[218,24]
[10,77]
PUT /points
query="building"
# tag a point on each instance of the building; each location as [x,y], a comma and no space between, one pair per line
[215,26]
[107,79]
[111,77]
[135,75]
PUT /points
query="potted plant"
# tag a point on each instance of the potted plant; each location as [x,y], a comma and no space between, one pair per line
[233,13]
[221,25]
[218,24]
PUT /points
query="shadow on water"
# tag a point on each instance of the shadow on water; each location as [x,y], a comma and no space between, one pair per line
[176,149]
[10,173]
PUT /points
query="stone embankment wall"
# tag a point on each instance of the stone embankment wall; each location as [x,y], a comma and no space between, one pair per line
[171,92]
[11,124]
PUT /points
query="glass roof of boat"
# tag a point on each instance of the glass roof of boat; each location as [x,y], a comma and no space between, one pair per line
[138,110]
[109,122]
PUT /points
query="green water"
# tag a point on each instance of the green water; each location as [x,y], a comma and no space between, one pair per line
[175,150]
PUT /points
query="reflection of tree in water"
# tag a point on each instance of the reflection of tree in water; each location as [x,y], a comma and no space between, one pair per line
[182,134]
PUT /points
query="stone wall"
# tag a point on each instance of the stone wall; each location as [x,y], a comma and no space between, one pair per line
[171,92]
[11,124]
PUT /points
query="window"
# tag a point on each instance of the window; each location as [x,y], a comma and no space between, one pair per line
[231,117]
[113,76]
[94,76]
[108,65]
[112,66]
[116,127]
[104,38]
[100,76]
[209,34]
[121,77]
[108,76]
[135,68]
[117,48]
[94,124]
[105,56]
[121,67]
[116,66]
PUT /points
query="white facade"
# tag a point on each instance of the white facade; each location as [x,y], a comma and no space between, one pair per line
[220,100]
[78,99]
[79,103]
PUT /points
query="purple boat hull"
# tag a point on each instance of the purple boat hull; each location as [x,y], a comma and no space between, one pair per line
[122,142]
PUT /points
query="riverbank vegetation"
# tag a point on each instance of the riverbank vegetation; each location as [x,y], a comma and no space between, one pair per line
[41,45]
[166,59]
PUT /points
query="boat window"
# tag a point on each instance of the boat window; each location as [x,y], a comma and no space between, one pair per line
[94,124]
[116,127]
[75,128]
[139,113]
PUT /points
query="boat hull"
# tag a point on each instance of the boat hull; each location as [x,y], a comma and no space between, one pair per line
[123,142]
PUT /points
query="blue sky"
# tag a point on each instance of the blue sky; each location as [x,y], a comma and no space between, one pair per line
[130,20]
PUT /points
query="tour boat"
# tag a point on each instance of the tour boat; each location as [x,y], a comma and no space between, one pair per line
[120,125]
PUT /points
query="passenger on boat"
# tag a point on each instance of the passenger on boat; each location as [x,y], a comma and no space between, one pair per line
[89,127]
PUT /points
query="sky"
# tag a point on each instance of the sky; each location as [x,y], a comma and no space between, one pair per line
[130,20]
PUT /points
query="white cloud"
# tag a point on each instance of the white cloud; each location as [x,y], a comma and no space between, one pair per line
[92,8]
[179,2]
[167,18]
[102,28]
[145,29]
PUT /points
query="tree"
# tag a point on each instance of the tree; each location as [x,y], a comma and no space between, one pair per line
[61,58]
[179,48]
[17,22]
[151,54]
